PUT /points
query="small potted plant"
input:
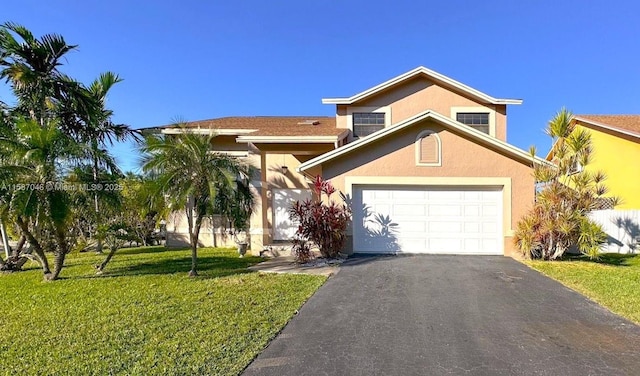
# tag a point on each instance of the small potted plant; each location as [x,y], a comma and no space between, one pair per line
[236,208]
[239,221]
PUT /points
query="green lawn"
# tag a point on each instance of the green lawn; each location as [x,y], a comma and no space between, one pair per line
[613,282]
[144,315]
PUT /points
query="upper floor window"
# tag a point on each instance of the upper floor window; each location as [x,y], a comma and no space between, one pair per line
[477,120]
[366,123]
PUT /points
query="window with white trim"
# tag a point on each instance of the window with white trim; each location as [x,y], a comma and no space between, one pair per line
[477,120]
[366,123]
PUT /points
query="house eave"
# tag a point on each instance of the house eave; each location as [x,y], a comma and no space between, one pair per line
[456,85]
[292,139]
[482,137]
[605,126]
[208,131]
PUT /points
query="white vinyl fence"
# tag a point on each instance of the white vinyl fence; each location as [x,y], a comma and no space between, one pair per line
[622,228]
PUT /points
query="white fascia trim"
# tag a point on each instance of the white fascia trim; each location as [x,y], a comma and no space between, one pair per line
[231,153]
[289,139]
[412,120]
[217,132]
[605,126]
[428,72]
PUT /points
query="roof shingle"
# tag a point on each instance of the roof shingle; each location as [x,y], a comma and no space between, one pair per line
[629,123]
[276,126]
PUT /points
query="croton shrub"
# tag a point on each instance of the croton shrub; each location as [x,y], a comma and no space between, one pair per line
[322,222]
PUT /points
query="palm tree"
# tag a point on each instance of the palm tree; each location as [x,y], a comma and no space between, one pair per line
[559,218]
[35,157]
[74,122]
[191,176]
[30,65]
[100,131]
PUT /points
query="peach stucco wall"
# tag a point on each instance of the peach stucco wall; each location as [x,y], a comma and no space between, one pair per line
[418,95]
[271,158]
[394,157]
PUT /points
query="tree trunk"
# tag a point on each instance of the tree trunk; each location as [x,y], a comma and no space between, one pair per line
[19,246]
[37,248]
[60,252]
[195,235]
[194,259]
[95,203]
[58,263]
[100,268]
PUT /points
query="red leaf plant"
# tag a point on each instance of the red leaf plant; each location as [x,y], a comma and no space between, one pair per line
[322,223]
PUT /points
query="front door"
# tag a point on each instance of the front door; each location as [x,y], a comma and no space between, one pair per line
[283,227]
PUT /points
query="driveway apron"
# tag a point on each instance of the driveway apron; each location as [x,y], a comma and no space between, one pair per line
[442,315]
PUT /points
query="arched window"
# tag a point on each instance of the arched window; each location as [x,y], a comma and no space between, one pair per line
[428,151]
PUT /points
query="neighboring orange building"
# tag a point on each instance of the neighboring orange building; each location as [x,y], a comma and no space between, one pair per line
[421,150]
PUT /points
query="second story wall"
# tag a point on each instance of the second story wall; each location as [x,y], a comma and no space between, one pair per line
[420,94]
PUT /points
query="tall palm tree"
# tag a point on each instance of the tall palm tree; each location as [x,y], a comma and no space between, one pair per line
[191,176]
[30,65]
[100,132]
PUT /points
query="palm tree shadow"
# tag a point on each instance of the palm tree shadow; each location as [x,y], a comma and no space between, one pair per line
[380,231]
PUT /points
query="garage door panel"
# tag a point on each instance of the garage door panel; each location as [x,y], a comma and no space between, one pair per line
[441,209]
[473,195]
[489,228]
[472,227]
[408,195]
[428,219]
[408,209]
[413,243]
[489,210]
[413,226]
[445,227]
[445,195]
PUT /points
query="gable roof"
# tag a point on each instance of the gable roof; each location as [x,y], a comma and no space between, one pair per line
[510,150]
[265,126]
[625,124]
[422,71]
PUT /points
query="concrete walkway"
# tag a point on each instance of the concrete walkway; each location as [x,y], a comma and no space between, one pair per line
[287,264]
[449,315]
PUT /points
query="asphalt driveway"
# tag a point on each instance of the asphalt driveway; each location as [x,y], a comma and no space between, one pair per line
[440,315]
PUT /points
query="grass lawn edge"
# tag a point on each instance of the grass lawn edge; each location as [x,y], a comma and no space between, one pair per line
[596,288]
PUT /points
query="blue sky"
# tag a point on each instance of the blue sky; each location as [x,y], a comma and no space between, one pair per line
[192,60]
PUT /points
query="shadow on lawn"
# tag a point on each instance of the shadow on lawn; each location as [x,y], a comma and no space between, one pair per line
[614,259]
[208,267]
[142,250]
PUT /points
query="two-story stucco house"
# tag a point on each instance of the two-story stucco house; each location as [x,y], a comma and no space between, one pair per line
[421,150]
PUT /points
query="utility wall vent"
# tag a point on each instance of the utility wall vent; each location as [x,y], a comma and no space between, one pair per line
[309,122]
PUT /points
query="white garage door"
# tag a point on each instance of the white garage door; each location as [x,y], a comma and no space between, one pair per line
[418,219]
